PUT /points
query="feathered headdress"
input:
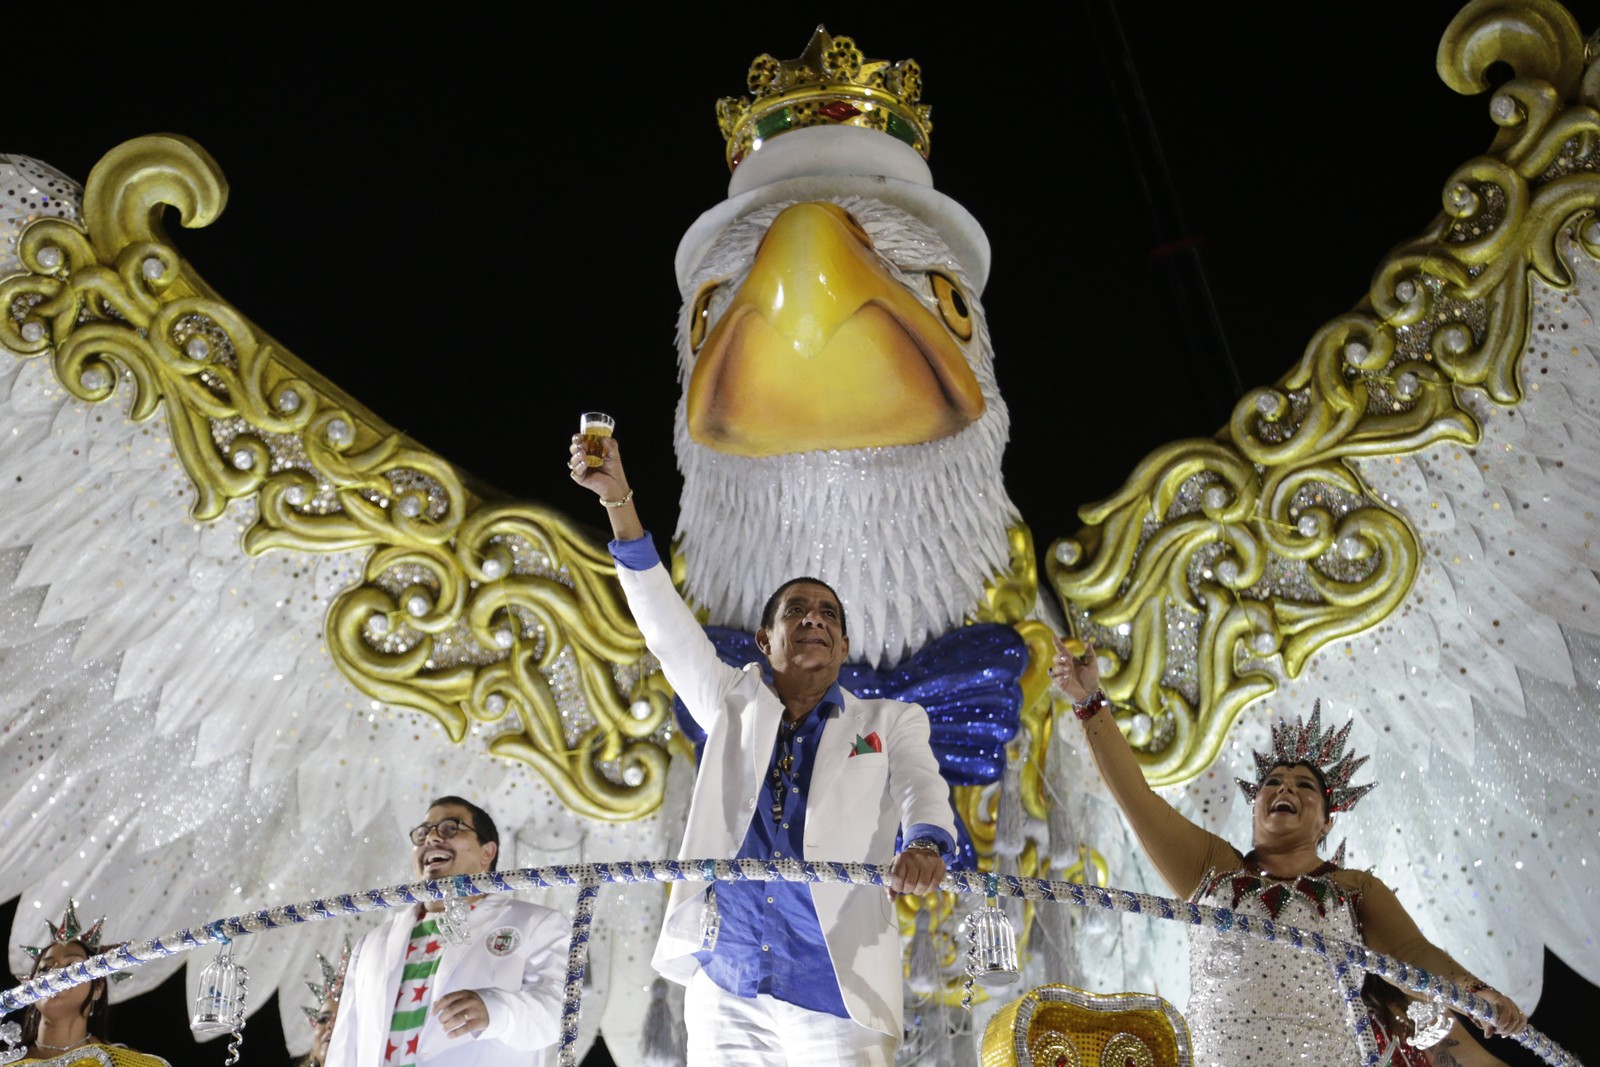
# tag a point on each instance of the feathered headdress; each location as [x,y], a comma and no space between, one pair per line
[332,984]
[69,930]
[1307,742]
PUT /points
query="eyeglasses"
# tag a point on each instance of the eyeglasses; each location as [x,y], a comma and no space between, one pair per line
[447,828]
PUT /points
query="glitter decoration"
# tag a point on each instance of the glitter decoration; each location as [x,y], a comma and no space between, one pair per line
[331,987]
[70,929]
[1308,742]
[455,921]
[968,682]
[1347,958]
[34,190]
[1258,1002]
[577,968]
[1431,1022]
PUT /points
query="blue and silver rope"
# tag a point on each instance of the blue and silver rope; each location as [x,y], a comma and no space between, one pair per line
[588,877]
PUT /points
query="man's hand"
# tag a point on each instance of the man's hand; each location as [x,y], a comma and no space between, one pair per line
[609,484]
[607,480]
[461,1013]
[915,871]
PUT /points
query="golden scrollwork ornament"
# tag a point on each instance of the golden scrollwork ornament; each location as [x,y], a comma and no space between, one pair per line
[473,611]
[1224,562]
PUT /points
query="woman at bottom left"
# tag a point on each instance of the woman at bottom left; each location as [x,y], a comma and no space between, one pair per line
[69,1029]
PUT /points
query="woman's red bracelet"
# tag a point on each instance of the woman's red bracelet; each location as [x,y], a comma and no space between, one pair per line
[1095,703]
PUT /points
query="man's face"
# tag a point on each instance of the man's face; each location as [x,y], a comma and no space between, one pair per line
[441,857]
[805,633]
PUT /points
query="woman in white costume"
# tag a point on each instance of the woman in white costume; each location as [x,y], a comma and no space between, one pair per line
[1252,1002]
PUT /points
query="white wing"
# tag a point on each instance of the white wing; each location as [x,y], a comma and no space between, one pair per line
[1479,698]
[180,744]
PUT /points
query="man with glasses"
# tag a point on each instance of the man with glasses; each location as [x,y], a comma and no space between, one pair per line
[432,989]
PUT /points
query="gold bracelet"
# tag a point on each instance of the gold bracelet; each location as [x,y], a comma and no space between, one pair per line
[617,503]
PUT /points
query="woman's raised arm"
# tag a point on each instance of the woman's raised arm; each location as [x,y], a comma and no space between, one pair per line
[1180,850]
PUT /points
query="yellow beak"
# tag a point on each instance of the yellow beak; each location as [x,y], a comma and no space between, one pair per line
[822,348]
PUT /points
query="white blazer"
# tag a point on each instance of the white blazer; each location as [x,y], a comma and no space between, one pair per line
[856,805]
[516,961]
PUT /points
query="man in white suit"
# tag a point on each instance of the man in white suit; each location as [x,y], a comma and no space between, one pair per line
[412,997]
[798,769]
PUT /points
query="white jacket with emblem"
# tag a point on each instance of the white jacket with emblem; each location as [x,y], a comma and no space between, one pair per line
[855,808]
[516,961]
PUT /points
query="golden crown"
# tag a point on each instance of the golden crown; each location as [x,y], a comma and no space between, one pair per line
[830,84]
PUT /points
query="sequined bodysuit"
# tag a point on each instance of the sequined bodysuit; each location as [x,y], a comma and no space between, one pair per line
[1256,1004]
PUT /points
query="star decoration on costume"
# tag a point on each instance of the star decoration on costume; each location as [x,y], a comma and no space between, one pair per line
[1307,742]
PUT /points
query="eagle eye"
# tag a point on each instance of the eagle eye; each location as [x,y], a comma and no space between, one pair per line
[952,305]
[700,315]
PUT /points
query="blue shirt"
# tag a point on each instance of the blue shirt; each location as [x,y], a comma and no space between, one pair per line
[770,939]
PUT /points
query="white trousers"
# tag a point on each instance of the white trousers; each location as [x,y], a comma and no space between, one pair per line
[729,1031]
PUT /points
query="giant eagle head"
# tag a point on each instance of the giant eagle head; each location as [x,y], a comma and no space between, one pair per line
[839,415]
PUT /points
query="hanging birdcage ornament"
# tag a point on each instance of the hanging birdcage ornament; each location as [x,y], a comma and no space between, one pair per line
[991,945]
[710,921]
[219,1007]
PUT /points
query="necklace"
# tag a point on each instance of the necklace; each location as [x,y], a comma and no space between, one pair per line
[61,1048]
[783,767]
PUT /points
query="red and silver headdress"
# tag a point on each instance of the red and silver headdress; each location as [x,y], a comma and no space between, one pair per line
[1307,742]
[70,930]
[332,984]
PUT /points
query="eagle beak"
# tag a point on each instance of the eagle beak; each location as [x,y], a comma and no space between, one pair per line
[823,348]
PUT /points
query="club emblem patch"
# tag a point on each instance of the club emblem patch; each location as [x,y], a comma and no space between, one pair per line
[503,942]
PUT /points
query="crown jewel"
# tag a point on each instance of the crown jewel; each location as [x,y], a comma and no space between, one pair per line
[70,930]
[1307,742]
[332,984]
[831,83]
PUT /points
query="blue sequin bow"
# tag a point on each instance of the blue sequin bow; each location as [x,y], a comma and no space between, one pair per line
[968,681]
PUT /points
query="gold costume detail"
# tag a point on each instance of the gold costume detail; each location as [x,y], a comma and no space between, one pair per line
[831,83]
[1218,555]
[474,612]
[95,1055]
[1058,1024]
